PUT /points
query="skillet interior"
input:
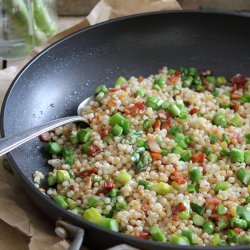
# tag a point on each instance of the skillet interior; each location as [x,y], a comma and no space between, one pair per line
[55,82]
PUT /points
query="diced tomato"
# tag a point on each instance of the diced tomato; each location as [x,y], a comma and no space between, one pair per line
[237,230]
[123,87]
[200,158]
[140,78]
[180,207]
[93,150]
[144,207]
[138,108]
[157,124]
[174,78]
[153,146]
[166,124]
[143,234]
[177,73]
[175,217]
[212,201]
[235,96]
[179,177]
[162,115]
[240,81]
[45,137]
[87,172]
[235,105]
[214,210]
[108,185]
[193,111]
[103,132]
[111,102]
[156,156]
[112,90]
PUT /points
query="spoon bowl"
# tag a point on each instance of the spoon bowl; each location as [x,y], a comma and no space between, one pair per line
[11,142]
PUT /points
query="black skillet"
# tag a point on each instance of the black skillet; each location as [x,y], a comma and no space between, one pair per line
[57,80]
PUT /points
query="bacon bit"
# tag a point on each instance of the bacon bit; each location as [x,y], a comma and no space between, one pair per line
[111,102]
[103,132]
[212,201]
[140,79]
[193,111]
[200,158]
[142,234]
[177,73]
[235,96]
[228,215]
[87,172]
[93,150]
[108,185]
[239,81]
[87,182]
[237,230]
[162,115]
[144,207]
[112,90]
[179,177]
[45,137]
[244,115]
[175,217]
[153,146]
[156,156]
[214,211]
[174,78]
[235,105]
[180,207]
[138,108]
[157,124]
[166,124]
[123,87]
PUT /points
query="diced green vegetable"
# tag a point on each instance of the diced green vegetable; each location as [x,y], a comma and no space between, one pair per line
[116,119]
[195,174]
[140,92]
[60,200]
[232,236]
[53,148]
[208,227]
[240,223]
[84,135]
[52,179]
[157,234]
[165,105]
[187,81]
[96,178]
[62,175]
[85,147]
[177,150]
[247,136]
[211,79]
[191,188]
[226,138]
[212,158]
[78,211]
[244,239]
[216,240]
[213,138]
[222,225]
[121,81]
[110,224]
[164,152]
[245,98]
[117,130]
[144,183]
[197,209]
[221,80]
[92,201]
[101,88]
[180,240]
[221,209]
[72,204]
[222,185]
[184,215]
[237,121]
[74,139]
[186,155]
[192,71]
[159,81]
[247,157]
[189,235]
[175,130]
[147,124]
[243,175]
[161,188]
[69,159]
[125,124]
[123,177]
[198,220]
[173,108]
[236,155]
[154,102]
[120,206]
[243,213]
[219,119]
[92,215]
[142,159]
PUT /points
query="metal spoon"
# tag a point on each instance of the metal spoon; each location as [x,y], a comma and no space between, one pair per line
[9,143]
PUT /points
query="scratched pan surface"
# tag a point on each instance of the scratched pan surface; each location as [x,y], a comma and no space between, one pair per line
[57,80]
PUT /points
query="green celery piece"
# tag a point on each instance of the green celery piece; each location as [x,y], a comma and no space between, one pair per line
[43,18]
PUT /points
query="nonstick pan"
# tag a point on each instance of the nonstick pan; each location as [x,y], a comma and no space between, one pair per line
[57,80]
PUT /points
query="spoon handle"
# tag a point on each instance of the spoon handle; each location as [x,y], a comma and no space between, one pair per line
[9,143]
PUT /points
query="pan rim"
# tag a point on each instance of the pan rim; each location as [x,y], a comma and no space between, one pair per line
[67,215]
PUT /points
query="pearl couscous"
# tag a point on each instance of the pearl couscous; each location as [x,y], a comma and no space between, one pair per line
[164,158]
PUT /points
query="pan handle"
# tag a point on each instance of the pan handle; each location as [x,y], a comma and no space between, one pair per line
[9,143]
[66,230]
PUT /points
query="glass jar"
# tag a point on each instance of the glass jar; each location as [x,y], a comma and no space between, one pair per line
[25,24]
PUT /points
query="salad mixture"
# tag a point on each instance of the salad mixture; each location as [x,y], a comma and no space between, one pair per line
[165,158]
